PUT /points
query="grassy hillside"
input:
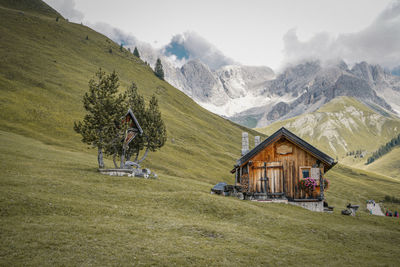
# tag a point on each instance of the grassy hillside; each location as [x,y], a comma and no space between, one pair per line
[55,209]
[44,72]
[32,6]
[342,125]
[388,164]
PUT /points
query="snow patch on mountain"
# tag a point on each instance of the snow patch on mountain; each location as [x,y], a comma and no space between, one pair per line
[226,91]
[240,104]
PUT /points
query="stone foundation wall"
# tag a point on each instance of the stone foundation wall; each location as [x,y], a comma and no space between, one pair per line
[313,206]
[117,172]
[145,173]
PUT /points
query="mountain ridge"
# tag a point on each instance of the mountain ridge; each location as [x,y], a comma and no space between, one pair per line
[256,96]
[344,124]
[311,85]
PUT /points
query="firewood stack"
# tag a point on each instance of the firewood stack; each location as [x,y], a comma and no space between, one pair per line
[245,183]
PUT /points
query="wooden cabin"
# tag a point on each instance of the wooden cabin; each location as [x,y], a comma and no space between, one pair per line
[273,169]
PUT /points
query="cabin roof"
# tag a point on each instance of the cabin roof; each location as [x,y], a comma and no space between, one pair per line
[330,162]
[130,113]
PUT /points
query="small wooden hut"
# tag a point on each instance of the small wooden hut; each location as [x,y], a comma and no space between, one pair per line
[275,167]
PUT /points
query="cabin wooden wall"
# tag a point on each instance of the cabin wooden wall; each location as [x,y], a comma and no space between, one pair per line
[290,163]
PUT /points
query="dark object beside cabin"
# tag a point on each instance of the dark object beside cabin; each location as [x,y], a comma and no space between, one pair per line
[226,189]
[351,210]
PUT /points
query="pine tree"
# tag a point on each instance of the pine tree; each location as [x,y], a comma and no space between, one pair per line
[136,52]
[155,127]
[121,47]
[104,108]
[158,70]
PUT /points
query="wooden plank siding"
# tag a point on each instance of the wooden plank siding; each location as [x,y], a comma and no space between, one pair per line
[283,160]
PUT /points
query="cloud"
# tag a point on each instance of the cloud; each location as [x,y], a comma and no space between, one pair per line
[181,48]
[67,9]
[146,51]
[115,34]
[378,43]
[190,45]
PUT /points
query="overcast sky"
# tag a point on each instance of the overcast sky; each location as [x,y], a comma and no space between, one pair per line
[254,32]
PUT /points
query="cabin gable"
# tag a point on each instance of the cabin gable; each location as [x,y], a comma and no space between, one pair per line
[284,150]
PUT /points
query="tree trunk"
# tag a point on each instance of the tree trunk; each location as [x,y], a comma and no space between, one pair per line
[144,156]
[115,160]
[122,158]
[100,158]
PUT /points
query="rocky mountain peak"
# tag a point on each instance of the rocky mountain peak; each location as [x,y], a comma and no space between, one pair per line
[200,80]
[370,73]
[304,69]
[342,65]
[239,80]
[363,71]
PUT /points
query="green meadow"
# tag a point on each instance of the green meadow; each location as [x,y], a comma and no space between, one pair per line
[388,164]
[56,209]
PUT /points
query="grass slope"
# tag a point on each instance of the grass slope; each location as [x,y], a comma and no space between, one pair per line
[32,6]
[55,209]
[44,72]
[344,124]
[388,164]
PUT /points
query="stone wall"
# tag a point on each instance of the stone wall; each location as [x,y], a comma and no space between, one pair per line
[145,173]
[117,172]
[313,206]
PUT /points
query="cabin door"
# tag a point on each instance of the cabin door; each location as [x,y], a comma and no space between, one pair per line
[267,178]
[259,181]
[275,179]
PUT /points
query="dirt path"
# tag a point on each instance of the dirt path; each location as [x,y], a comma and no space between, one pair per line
[376,209]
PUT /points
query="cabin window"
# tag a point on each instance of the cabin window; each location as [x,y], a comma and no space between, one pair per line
[305,172]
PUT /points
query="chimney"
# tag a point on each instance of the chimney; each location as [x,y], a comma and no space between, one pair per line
[245,143]
[257,141]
